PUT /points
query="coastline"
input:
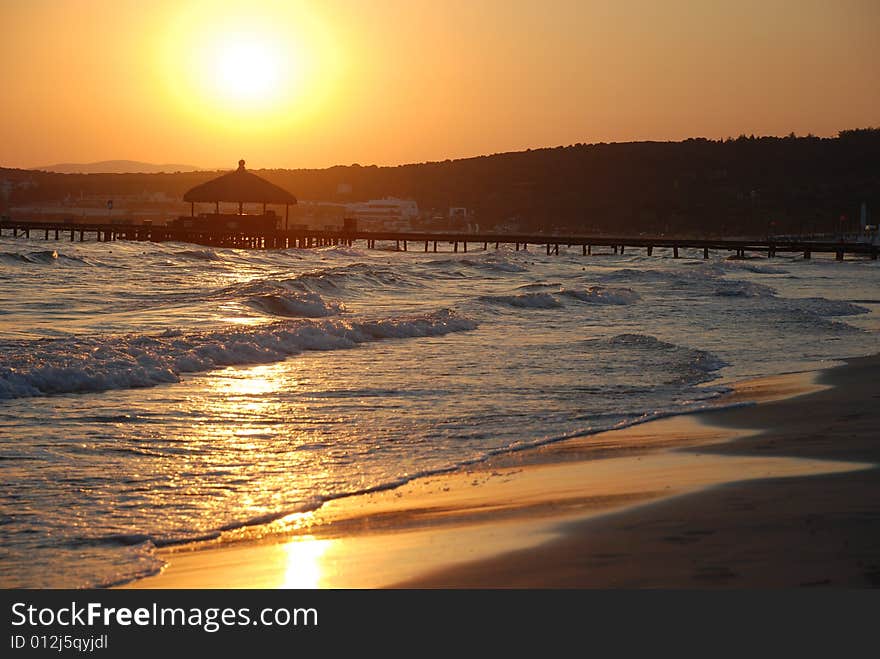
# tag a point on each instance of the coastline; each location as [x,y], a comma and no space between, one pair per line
[646,515]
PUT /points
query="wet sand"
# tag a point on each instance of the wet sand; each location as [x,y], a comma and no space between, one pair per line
[821,530]
[687,501]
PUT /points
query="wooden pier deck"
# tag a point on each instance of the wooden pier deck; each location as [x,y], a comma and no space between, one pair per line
[428,242]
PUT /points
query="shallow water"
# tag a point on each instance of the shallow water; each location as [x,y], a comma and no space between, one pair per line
[153,394]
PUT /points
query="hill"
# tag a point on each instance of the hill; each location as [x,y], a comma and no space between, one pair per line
[115,167]
[695,186]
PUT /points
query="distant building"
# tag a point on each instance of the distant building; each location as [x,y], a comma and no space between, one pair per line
[319,214]
[384,214]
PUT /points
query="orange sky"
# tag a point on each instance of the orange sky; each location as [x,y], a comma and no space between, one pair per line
[395,81]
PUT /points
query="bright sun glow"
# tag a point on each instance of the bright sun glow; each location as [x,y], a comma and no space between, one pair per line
[248,69]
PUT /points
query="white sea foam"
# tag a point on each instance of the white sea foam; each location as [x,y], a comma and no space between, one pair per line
[101,363]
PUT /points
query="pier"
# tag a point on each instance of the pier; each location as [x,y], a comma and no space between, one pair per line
[427,241]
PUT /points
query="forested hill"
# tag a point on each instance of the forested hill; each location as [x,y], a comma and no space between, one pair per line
[697,185]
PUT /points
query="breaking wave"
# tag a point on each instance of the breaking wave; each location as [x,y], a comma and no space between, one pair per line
[295,305]
[41,257]
[39,368]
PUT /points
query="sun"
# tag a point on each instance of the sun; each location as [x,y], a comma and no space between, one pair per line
[247,69]
[240,67]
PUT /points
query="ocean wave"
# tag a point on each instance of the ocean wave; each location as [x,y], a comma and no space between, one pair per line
[747,266]
[639,275]
[355,279]
[295,305]
[821,306]
[41,257]
[75,365]
[538,286]
[525,300]
[491,264]
[732,288]
[341,250]
[199,254]
[676,364]
[602,295]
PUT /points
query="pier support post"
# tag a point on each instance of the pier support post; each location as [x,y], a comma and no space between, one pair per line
[675,252]
[705,253]
[426,245]
[650,250]
[405,248]
[435,246]
[583,250]
[455,246]
[548,249]
[465,245]
[840,255]
[556,249]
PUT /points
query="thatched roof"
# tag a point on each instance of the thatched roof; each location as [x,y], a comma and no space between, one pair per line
[240,186]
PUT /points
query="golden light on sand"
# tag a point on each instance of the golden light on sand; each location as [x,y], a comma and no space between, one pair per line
[304,569]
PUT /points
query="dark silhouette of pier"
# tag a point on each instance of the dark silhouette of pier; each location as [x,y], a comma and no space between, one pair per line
[255,238]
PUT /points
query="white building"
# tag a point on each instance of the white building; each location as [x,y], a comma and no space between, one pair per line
[389,213]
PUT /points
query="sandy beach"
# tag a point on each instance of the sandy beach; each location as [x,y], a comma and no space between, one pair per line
[778,491]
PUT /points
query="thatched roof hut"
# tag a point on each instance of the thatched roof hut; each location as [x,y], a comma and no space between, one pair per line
[241,187]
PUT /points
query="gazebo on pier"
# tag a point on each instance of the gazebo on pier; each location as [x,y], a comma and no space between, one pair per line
[242,187]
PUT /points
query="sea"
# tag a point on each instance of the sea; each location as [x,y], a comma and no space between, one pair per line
[156,394]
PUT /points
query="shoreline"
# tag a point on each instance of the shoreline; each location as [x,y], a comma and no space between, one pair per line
[475,526]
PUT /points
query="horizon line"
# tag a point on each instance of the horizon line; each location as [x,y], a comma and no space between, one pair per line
[41,168]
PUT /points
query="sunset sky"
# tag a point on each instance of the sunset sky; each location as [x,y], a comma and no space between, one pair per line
[313,84]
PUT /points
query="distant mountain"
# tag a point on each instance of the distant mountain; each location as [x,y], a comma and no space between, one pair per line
[116,167]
